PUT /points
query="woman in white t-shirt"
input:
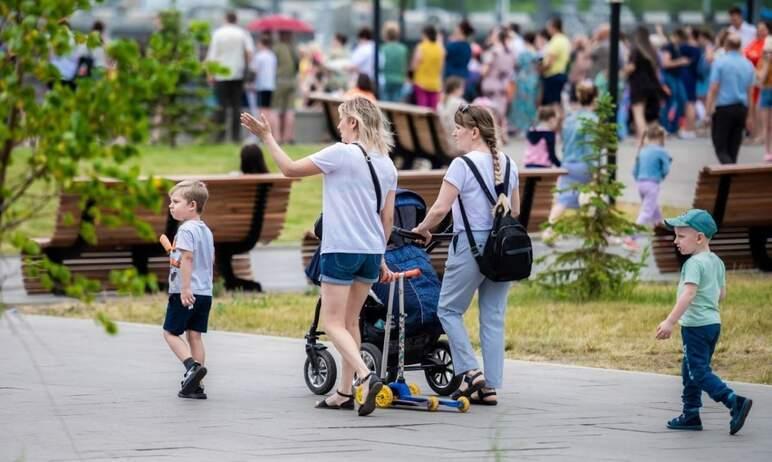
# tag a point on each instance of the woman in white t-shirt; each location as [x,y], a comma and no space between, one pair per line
[355,231]
[475,134]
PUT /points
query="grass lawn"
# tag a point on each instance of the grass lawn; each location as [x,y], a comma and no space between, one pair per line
[614,334]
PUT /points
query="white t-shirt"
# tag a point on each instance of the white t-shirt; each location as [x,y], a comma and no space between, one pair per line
[350,222]
[264,65]
[363,58]
[476,203]
[747,33]
[228,46]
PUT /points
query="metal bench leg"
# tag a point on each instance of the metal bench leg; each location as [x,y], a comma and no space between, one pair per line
[758,240]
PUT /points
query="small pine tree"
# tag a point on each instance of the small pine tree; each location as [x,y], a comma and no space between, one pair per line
[591,271]
[180,101]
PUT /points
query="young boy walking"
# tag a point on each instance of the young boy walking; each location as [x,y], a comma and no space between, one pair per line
[651,167]
[190,284]
[702,285]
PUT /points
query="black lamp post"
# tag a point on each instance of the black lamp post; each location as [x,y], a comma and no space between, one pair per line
[613,71]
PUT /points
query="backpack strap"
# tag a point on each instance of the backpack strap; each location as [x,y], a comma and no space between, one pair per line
[479,179]
[472,244]
[374,177]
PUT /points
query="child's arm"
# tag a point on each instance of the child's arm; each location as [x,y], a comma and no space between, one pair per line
[551,150]
[666,159]
[186,270]
[665,328]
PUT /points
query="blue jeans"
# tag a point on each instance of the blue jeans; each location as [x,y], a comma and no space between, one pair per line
[461,280]
[699,344]
[676,103]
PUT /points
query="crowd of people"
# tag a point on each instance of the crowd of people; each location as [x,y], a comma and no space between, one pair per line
[673,79]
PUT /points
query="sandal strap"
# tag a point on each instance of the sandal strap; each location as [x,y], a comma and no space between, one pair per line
[343,394]
[469,378]
[364,379]
[486,394]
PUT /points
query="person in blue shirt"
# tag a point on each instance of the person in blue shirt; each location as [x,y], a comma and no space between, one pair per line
[651,167]
[458,52]
[577,154]
[731,84]
[689,78]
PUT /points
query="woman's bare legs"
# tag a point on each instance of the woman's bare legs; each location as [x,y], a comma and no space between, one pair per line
[341,305]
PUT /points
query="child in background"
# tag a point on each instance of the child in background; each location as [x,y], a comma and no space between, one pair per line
[452,99]
[651,167]
[540,150]
[701,287]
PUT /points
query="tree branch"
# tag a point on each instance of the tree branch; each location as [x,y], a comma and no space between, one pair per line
[19,190]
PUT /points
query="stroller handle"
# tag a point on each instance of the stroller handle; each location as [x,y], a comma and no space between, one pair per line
[402,232]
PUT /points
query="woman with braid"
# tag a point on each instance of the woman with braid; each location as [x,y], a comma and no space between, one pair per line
[475,134]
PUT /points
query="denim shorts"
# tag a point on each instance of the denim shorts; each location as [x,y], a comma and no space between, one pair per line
[766,98]
[345,268]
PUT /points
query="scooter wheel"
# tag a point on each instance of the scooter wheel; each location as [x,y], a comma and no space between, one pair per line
[432,403]
[415,390]
[385,397]
[464,404]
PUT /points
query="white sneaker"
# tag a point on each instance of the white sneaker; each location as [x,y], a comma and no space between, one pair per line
[687,135]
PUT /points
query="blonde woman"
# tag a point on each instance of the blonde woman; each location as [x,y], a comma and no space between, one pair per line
[355,231]
[475,134]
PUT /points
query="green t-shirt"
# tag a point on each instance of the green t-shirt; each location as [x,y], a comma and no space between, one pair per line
[394,62]
[706,270]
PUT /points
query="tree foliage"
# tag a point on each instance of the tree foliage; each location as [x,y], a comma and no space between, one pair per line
[65,139]
[591,271]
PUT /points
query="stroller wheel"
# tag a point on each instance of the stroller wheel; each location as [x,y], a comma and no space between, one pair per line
[371,355]
[441,377]
[321,380]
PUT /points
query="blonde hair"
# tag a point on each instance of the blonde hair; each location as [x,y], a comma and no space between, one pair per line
[475,116]
[372,127]
[192,190]
[655,133]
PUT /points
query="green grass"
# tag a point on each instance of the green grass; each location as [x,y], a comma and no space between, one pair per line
[614,334]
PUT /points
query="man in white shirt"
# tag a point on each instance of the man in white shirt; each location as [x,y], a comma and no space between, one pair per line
[737,25]
[232,48]
[363,57]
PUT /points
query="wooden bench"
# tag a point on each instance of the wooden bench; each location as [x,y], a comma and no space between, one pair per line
[740,199]
[241,211]
[418,131]
[536,190]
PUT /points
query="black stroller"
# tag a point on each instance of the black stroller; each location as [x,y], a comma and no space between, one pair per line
[424,350]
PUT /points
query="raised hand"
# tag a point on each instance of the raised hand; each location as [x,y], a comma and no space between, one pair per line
[258,126]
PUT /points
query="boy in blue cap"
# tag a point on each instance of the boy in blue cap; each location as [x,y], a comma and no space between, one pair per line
[702,285]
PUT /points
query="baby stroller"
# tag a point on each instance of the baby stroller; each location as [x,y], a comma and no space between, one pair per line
[424,350]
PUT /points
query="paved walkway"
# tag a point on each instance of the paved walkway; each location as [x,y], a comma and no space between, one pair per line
[69,392]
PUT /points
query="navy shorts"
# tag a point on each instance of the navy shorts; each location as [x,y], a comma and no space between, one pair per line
[264,99]
[344,268]
[179,318]
[552,87]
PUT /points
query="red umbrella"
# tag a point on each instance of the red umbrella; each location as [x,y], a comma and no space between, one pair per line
[279,22]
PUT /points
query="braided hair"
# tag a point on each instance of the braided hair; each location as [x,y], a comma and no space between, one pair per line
[480,117]
[475,116]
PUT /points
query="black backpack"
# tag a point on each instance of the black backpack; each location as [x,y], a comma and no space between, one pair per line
[508,255]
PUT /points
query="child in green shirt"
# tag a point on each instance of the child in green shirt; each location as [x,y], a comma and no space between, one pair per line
[702,285]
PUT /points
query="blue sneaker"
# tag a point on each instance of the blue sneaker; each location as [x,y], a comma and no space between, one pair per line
[740,410]
[685,422]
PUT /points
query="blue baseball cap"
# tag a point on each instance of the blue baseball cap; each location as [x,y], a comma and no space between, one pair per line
[697,219]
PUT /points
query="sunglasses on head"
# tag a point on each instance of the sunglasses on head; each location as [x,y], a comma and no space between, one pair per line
[464,108]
